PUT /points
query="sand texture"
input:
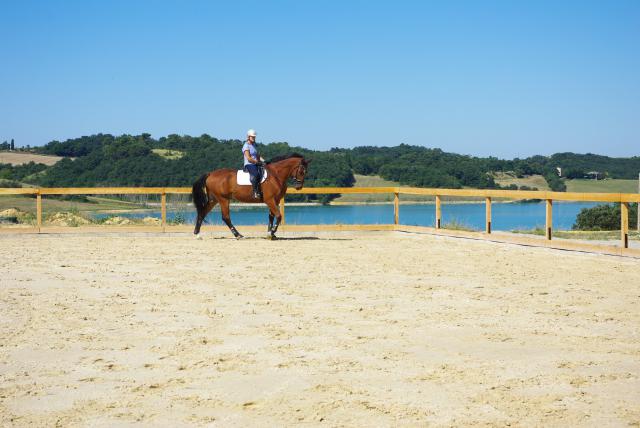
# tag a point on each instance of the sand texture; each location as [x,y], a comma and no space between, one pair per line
[336,329]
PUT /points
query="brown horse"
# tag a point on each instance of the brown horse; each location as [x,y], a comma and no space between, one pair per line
[220,186]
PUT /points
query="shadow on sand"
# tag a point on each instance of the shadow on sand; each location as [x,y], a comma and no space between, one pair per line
[297,238]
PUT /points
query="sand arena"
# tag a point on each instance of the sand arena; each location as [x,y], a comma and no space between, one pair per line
[336,329]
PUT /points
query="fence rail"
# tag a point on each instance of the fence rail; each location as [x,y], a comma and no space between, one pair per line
[488,194]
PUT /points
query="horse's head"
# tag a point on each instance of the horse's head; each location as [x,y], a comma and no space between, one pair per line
[299,172]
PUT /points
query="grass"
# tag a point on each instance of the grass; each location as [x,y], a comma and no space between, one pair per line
[19,158]
[50,205]
[604,235]
[458,225]
[507,178]
[610,185]
[168,153]
[377,181]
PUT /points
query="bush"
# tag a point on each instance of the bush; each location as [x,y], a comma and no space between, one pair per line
[604,217]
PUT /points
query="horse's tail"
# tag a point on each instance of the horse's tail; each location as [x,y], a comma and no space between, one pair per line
[199,193]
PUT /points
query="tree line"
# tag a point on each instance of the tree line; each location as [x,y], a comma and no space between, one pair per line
[134,160]
[8,146]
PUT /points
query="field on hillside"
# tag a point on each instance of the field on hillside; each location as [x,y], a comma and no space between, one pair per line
[95,203]
[602,186]
[505,179]
[169,154]
[377,181]
[19,158]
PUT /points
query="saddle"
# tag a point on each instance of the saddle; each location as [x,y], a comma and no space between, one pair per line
[244,178]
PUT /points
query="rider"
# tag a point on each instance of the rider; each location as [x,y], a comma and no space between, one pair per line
[253,162]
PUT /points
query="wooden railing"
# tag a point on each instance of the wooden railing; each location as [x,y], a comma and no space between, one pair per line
[488,194]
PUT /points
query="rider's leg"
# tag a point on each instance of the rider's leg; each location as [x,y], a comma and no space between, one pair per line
[256,187]
[255,180]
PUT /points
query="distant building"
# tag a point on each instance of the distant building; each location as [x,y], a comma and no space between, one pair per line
[559,169]
[596,175]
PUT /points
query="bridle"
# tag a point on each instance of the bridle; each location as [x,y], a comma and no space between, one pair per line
[300,170]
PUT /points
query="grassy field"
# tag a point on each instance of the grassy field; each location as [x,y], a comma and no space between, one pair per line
[602,186]
[376,181]
[19,158]
[506,179]
[91,204]
[604,235]
[168,154]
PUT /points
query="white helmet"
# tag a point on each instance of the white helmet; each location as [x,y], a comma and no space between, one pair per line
[251,133]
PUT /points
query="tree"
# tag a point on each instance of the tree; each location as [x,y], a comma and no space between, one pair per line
[604,217]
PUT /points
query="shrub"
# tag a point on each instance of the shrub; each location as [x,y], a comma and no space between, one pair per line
[604,217]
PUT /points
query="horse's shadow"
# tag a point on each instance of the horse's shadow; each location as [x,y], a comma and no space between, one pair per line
[296,238]
[308,238]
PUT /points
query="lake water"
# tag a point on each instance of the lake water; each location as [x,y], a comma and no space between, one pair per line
[505,216]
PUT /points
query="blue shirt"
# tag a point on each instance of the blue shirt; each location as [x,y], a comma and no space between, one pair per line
[252,151]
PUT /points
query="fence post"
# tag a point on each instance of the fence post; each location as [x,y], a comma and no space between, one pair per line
[396,208]
[39,210]
[282,210]
[163,208]
[488,215]
[624,224]
[438,212]
[549,219]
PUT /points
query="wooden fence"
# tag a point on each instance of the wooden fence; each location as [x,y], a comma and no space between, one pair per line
[623,198]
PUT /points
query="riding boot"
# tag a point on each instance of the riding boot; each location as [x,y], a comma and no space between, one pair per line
[257,193]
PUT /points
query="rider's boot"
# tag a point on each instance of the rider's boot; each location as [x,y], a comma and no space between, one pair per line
[257,192]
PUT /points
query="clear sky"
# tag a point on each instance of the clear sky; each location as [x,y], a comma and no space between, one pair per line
[502,78]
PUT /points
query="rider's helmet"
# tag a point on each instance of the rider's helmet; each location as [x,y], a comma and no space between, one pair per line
[251,133]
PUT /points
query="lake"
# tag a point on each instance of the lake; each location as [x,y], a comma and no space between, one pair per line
[505,216]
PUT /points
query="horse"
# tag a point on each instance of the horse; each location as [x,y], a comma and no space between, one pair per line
[220,186]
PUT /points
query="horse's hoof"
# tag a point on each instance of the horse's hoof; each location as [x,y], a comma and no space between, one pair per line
[272,237]
[198,236]
[239,237]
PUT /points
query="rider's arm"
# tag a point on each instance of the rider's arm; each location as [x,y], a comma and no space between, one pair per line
[249,158]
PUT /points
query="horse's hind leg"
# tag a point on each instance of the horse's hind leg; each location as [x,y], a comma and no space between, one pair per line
[226,217]
[201,216]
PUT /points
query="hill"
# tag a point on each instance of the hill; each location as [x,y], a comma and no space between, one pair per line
[174,160]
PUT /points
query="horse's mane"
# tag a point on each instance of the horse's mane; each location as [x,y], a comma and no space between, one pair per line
[283,157]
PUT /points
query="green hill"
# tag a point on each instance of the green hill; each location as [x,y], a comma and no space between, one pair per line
[175,160]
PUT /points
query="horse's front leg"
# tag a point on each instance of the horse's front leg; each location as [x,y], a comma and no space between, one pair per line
[274,211]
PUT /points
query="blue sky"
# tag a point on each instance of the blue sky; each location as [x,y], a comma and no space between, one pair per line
[502,78]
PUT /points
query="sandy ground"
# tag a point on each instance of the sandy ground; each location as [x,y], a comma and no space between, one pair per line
[336,329]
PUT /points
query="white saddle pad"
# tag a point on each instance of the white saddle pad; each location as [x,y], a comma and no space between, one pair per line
[244,178]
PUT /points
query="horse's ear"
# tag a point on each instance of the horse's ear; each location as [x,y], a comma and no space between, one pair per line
[307,161]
